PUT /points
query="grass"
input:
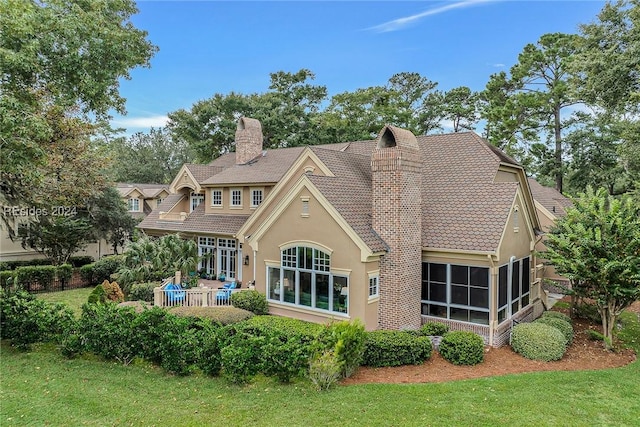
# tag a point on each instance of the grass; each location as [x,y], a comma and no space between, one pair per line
[43,388]
[74,298]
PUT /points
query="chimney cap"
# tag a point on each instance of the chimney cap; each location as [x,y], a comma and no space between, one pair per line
[247,123]
[392,136]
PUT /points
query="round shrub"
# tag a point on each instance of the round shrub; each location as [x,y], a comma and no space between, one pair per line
[433,329]
[462,348]
[395,348]
[250,300]
[97,295]
[557,315]
[538,341]
[559,324]
[142,291]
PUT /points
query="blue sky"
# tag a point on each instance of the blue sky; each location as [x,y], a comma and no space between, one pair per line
[209,47]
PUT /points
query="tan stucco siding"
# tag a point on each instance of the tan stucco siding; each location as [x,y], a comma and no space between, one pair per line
[318,229]
[506,176]
[518,237]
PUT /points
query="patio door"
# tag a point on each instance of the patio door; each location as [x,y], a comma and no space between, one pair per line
[227,258]
[206,247]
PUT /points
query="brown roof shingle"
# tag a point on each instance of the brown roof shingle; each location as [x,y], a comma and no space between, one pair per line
[550,198]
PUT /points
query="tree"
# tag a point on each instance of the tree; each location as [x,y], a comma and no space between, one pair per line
[461,107]
[597,247]
[532,100]
[59,59]
[160,153]
[110,218]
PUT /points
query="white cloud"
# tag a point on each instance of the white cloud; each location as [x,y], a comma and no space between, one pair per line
[400,23]
[140,122]
[498,65]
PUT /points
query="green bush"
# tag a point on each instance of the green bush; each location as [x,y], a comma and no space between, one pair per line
[221,315]
[538,341]
[462,348]
[395,348]
[324,370]
[142,291]
[310,331]
[149,326]
[210,360]
[589,311]
[181,343]
[559,324]
[80,261]
[26,320]
[12,265]
[112,291]
[433,329]
[108,331]
[32,276]
[241,357]
[346,340]
[64,273]
[250,300]
[557,315]
[98,295]
[105,267]
[6,279]
[86,272]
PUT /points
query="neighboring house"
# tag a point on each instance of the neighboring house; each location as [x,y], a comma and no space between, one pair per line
[395,231]
[550,205]
[141,199]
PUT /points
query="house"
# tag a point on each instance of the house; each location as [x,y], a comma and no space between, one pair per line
[395,231]
[141,199]
[550,205]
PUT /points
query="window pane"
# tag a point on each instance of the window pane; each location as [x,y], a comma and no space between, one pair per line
[502,285]
[305,288]
[460,274]
[459,295]
[526,275]
[481,317]
[438,292]
[322,291]
[438,272]
[289,283]
[515,281]
[340,294]
[425,290]
[514,307]
[480,276]
[479,297]
[525,300]
[274,283]
[434,310]
[502,315]
[459,314]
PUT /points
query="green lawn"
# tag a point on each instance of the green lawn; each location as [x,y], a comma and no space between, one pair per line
[74,298]
[43,388]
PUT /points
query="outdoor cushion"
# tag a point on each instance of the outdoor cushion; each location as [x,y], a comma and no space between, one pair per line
[174,292]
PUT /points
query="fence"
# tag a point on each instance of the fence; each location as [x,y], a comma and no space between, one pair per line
[56,285]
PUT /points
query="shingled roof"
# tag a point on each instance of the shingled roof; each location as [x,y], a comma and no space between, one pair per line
[147,190]
[550,198]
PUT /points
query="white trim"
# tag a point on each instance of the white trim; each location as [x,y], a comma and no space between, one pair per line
[251,192]
[211,190]
[177,185]
[231,190]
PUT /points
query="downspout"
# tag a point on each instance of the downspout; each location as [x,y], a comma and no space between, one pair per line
[494,280]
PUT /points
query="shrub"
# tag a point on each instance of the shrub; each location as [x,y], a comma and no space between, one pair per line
[181,343]
[324,370]
[346,340]
[462,348]
[538,341]
[210,360]
[250,300]
[26,320]
[395,348]
[221,315]
[80,261]
[6,279]
[308,330]
[105,267]
[108,331]
[241,356]
[589,311]
[559,324]
[98,295]
[557,315]
[64,273]
[86,272]
[112,291]
[149,326]
[433,329]
[284,355]
[31,277]
[142,291]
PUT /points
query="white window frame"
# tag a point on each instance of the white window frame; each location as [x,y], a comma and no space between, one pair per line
[136,204]
[374,285]
[219,192]
[232,205]
[194,200]
[255,191]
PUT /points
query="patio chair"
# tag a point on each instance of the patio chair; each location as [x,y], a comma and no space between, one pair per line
[175,293]
[224,293]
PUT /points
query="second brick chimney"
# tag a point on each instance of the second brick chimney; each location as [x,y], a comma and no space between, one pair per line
[248,140]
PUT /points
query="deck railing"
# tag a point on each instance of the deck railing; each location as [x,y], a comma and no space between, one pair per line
[193,297]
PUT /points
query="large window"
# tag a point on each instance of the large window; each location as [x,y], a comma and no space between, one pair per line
[236,197]
[216,197]
[256,197]
[514,286]
[207,250]
[134,205]
[456,292]
[196,199]
[305,279]
[227,258]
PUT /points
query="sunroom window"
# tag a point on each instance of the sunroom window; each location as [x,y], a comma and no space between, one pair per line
[305,279]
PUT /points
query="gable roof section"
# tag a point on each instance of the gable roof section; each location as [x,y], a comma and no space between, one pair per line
[149,191]
[550,198]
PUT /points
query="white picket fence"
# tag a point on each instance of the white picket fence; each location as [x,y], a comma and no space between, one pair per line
[200,296]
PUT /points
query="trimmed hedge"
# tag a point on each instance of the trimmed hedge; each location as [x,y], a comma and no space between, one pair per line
[559,324]
[36,275]
[557,315]
[250,300]
[433,329]
[142,291]
[395,348]
[221,315]
[64,273]
[86,272]
[462,348]
[7,278]
[75,261]
[306,329]
[538,341]
[105,267]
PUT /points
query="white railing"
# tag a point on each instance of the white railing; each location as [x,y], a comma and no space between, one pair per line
[194,297]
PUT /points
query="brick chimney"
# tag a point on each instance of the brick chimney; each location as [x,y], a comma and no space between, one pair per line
[396,171]
[248,140]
